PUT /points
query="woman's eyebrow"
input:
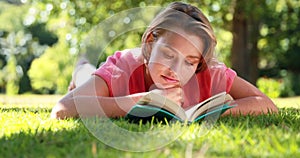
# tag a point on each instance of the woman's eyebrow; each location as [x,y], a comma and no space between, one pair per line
[172,49]
[193,58]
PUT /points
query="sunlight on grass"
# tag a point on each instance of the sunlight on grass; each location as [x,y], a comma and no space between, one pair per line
[45,101]
[27,131]
[25,120]
[292,102]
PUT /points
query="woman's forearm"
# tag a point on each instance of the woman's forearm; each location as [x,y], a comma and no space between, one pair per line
[254,105]
[86,106]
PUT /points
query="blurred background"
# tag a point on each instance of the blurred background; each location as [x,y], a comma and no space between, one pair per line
[40,40]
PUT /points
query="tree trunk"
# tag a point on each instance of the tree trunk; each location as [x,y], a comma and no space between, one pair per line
[245,30]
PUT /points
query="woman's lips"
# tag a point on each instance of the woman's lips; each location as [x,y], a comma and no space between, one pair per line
[170,80]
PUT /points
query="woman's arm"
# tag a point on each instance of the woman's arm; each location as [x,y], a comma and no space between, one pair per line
[249,99]
[92,99]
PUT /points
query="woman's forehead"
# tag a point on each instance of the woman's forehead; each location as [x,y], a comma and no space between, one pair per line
[182,42]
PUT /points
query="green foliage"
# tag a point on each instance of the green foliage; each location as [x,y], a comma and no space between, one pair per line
[17,43]
[73,21]
[23,49]
[45,37]
[70,22]
[12,77]
[291,85]
[13,42]
[27,131]
[42,76]
[49,73]
[270,87]
[279,41]
[286,86]
[11,16]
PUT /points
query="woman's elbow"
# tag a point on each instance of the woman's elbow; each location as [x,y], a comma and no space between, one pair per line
[272,108]
[61,111]
[266,106]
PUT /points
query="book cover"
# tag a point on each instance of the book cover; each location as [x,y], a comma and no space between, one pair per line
[155,106]
[147,113]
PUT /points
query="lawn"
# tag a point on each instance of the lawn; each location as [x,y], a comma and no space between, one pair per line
[27,131]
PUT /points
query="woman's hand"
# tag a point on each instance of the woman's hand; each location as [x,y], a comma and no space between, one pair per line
[175,94]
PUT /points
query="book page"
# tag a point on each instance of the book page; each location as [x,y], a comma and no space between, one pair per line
[219,101]
[190,111]
[157,100]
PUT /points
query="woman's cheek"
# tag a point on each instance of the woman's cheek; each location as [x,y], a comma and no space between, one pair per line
[186,74]
[154,71]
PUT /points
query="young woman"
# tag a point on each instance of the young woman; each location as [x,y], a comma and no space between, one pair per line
[176,59]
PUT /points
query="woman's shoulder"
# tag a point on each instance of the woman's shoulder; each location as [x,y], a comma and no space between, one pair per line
[218,71]
[131,55]
[122,61]
[218,67]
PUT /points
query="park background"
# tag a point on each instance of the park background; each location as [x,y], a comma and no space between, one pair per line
[40,40]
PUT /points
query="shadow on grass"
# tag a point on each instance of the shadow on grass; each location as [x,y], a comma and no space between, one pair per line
[25,109]
[75,142]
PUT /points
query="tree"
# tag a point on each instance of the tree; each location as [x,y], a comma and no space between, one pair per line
[245,29]
[265,43]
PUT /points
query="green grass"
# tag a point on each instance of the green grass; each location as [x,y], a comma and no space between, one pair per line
[27,131]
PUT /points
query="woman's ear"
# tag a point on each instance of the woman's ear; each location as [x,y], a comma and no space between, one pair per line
[150,39]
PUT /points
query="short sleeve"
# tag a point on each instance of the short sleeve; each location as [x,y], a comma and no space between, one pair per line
[211,81]
[222,78]
[230,76]
[110,70]
[117,71]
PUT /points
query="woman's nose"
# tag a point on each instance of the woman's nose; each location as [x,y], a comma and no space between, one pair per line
[176,66]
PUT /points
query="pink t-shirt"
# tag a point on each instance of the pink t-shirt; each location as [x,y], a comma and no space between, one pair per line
[123,73]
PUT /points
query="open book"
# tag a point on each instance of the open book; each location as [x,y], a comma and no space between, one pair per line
[160,107]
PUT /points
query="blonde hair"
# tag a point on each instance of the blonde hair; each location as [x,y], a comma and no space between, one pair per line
[191,20]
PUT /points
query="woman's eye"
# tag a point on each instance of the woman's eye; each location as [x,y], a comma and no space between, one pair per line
[189,63]
[168,55]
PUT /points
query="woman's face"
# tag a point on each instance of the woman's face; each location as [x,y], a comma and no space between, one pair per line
[174,59]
